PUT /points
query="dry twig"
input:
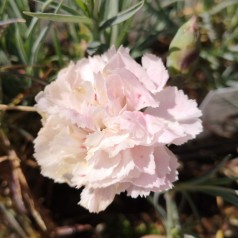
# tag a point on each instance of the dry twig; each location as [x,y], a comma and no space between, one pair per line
[19,186]
[4,107]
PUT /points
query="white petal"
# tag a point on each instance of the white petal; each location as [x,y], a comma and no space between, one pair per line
[97,200]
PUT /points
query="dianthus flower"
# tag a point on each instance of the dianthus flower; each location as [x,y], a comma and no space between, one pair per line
[106,122]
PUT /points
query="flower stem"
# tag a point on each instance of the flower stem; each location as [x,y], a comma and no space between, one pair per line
[4,107]
[172,225]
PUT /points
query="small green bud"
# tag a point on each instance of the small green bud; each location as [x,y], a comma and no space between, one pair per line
[184,48]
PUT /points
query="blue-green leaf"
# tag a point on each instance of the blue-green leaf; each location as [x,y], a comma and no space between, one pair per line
[60,17]
[37,44]
[209,174]
[6,23]
[229,195]
[221,6]
[20,46]
[83,7]
[10,21]
[122,16]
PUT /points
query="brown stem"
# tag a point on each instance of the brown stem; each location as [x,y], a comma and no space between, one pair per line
[4,107]
[19,187]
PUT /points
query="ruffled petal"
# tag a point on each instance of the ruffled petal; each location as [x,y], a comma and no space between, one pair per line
[106,123]
[96,200]
[156,72]
[178,114]
[58,147]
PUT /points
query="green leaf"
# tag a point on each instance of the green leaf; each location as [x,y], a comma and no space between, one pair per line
[46,4]
[57,47]
[93,47]
[34,20]
[31,27]
[5,24]
[15,8]
[122,16]
[191,204]
[60,17]
[37,44]
[20,46]
[63,8]
[83,7]
[222,181]
[4,59]
[167,3]
[209,174]
[16,12]
[124,29]
[10,21]
[229,195]
[3,6]
[221,6]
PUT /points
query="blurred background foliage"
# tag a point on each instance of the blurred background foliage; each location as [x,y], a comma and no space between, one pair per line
[39,37]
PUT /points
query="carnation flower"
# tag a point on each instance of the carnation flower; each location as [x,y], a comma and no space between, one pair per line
[106,123]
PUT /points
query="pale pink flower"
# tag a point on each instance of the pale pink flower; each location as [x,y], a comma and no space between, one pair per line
[106,122]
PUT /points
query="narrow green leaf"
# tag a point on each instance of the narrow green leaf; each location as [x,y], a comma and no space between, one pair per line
[167,3]
[5,24]
[83,7]
[60,17]
[20,46]
[31,27]
[64,8]
[10,21]
[37,44]
[122,32]
[227,194]
[124,5]
[16,13]
[222,181]
[4,59]
[34,20]
[122,16]
[210,173]
[15,8]
[105,9]
[57,47]
[191,204]
[46,4]
[58,7]
[113,10]
[3,6]
[23,4]
[96,9]
[221,6]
